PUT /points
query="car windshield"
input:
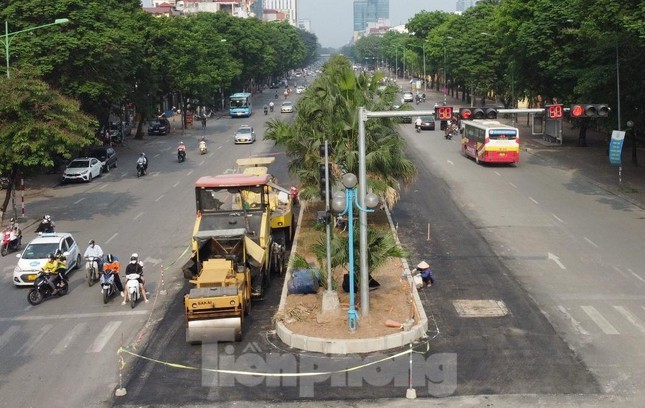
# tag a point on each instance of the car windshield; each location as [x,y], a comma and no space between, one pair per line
[79,164]
[244,131]
[286,104]
[39,251]
[428,119]
[99,154]
[155,123]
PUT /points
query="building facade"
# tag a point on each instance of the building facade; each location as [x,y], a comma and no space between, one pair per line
[463,5]
[368,13]
[288,7]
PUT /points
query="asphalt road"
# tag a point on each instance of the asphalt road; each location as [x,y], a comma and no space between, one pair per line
[71,343]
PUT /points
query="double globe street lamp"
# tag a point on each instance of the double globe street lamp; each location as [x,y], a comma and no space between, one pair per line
[343,203]
[8,36]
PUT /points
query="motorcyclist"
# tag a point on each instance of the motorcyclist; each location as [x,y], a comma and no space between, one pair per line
[181,147]
[14,236]
[136,266]
[95,251]
[46,225]
[202,143]
[111,263]
[266,109]
[271,105]
[276,94]
[418,98]
[51,271]
[417,123]
[143,161]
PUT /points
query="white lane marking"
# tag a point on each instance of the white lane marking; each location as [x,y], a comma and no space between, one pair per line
[600,320]
[111,238]
[74,316]
[591,242]
[574,322]
[79,200]
[637,276]
[176,184]
[556,259]
[512,185]
[497,172]
[159,198]
[533,199]
[33,340]
[617,269]
[201,162]
[7,335]
[103,186]
[69,338]
[557,218]
[211,154]
[124,174]
[156,155]
[138,215]
[450,162]
[104,337]
[190,172]
[631,318]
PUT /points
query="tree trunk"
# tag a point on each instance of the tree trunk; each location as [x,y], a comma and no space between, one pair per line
[634,156]
[582,136]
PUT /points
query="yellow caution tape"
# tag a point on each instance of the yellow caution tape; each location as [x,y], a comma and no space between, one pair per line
[256,374]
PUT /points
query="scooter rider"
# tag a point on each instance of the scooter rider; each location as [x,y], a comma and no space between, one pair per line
[143,160]
[136,266]
[95,251]
[202,144]
[271,105]
[51,270]
[266,109]
[46,225]
[112,264]
[418,123]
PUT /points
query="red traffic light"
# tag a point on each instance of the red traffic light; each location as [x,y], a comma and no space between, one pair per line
[590,110]
[554,111]
[577,111]
[443,112]
[466,113]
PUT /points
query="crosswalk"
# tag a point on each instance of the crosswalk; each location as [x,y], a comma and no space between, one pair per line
[52,336]
[605,318]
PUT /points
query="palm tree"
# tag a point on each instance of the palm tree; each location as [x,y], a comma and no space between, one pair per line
[328,111]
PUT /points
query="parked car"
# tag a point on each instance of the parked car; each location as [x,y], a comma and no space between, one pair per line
[287,107]
[37,252]
[427,123]
[106,155]
[158,126]
[83,169]
[245,134]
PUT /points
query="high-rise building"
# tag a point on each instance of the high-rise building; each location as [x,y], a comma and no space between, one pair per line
[370,11]
[289,7]
[463,5]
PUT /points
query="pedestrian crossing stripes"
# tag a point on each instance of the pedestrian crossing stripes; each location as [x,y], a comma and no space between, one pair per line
[605,319]
[23,338]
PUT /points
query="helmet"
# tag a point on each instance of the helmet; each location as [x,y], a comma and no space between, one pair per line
[142,154]
[52,257]
[91,242]
[48,218]
[134,255]
[133,260]
[109,258]
[13,219]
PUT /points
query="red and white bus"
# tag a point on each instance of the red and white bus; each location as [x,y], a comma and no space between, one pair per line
[490,141]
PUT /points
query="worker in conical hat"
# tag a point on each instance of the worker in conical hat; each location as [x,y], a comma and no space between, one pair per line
[426,273]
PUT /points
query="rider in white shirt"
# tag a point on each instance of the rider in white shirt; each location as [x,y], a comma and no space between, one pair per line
[95,251]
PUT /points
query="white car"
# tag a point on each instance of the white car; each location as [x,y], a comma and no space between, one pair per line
[245,134]
[36,255]
[83,169]
[300,89]
[408,97]
[287,107]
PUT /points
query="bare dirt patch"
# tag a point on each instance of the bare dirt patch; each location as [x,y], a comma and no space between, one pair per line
[391,301]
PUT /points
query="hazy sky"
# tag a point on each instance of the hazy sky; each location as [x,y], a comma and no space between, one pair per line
[332,20]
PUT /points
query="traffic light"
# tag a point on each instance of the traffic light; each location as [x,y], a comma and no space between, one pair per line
[443,112]
[553,111]
[478,113]
[322,179]
[589,110]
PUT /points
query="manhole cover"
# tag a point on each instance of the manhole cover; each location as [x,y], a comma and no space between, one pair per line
[480,308]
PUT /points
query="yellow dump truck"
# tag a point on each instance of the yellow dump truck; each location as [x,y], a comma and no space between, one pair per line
[234,255]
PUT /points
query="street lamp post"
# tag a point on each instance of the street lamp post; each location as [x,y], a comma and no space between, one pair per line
[445,71]
[344,203]
[8,36]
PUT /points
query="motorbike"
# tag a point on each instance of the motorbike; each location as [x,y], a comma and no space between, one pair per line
[417,128]
[116,138]
[108,286]
[133,288]
[202,147]
[451,130]
[140,170]
[181,155]
[276,95]
[271,107]
[46,227]
[8,245]
[266,111]
[92,273]
[42,290]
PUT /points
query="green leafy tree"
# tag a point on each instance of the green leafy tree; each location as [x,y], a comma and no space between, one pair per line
[37,124]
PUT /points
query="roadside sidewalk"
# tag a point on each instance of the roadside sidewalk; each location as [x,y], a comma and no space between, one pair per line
[591,162]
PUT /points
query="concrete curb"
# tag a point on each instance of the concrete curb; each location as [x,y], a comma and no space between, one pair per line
[351,346]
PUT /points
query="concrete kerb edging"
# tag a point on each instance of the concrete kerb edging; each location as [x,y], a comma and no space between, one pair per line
[351,346]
